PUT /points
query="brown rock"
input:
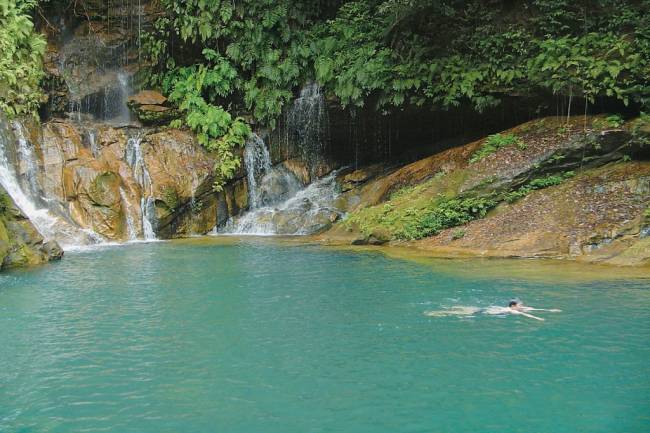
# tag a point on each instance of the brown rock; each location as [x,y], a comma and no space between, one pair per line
[148,97]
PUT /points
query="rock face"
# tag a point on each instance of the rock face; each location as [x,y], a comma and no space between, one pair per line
[596,216]
[20,242]
[94,52]
[118,181]
[598,212]
[151,108]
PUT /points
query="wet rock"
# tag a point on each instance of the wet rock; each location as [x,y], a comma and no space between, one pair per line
[20,243]
[151,108]
[358,177]
[277,186]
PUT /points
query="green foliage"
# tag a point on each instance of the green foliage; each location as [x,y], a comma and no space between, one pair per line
[539,183]
[215,128]
[258,49]
[170,197]
[496,142]
[416,223]
[615,121]
[444,214]
[21,56]
[392,53]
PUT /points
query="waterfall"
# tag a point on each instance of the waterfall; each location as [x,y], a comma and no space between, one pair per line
[50,225]
[27,159]
[257,162]
[308,128]
[98,68]
[310,210]
[279,204]
[131,230]
[135,159]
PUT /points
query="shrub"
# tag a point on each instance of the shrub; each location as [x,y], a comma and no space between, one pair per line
[458,234]
[445,214]
[170,197]
[535,184]
[615,121]
[496,142]
[21,57]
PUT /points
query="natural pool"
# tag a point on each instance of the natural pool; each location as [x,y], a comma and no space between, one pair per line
[230,335]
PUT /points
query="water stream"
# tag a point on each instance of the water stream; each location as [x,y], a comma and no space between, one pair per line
[135,159]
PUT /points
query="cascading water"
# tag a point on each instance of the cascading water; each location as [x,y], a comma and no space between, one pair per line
[98,59]
[307,128]
[135,159]
[257,162]
[278,202]
[308,211]
[50,224]
[131,230]
[27,159]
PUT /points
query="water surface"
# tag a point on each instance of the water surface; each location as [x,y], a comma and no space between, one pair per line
[259,336]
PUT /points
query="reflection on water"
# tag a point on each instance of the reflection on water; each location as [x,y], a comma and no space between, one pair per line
[269,336]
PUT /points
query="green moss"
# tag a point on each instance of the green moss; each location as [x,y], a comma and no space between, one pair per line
[5,204]
[458,234]
[170,197]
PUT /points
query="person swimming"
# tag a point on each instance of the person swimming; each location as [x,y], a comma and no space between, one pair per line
[515,307]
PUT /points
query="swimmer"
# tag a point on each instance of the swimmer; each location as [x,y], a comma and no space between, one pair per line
[514,307]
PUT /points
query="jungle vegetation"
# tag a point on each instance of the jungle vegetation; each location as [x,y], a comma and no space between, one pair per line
[227,64]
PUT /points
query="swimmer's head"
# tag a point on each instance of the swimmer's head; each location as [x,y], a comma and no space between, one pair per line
[514,303]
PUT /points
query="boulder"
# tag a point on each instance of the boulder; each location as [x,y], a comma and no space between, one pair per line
[20,243]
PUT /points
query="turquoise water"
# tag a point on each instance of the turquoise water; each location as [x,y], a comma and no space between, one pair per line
[255,336]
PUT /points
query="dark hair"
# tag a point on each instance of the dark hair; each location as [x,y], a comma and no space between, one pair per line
[512,303]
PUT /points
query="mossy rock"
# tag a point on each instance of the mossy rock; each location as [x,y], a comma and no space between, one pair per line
[105,189]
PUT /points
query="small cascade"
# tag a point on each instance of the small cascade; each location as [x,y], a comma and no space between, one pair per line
[131,230]
[257,162]
[92,141]
[27,160]
[308,211]
[279,203]
[98,59]
[308,128]
[50,224]
[135,159]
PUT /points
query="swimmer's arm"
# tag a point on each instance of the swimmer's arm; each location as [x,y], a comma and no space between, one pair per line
[552,310]
[528,315]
